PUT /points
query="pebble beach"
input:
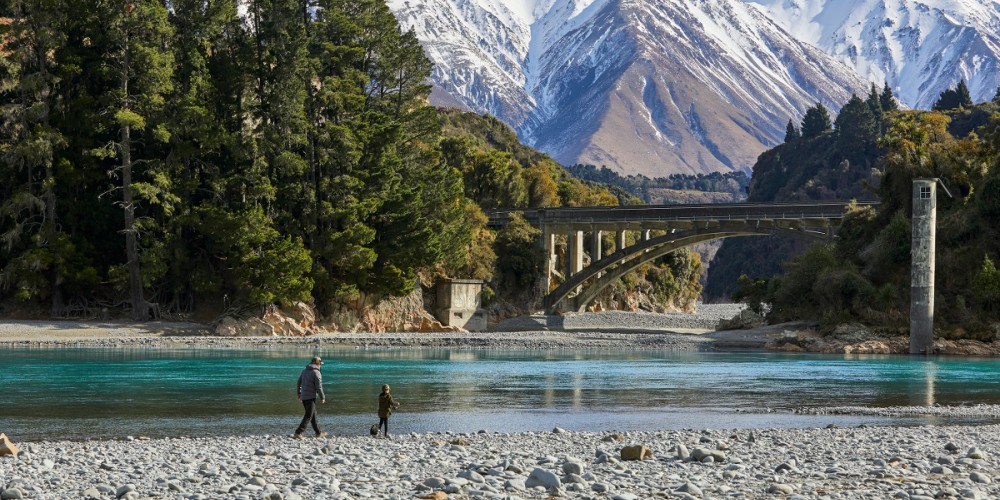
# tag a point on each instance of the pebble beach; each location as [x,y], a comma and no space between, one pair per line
[864,462]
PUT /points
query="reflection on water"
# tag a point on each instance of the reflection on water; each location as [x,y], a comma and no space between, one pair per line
[164,391]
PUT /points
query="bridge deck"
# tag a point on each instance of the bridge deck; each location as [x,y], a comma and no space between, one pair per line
[694,212]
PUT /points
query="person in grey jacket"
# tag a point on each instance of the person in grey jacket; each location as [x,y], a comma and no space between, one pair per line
[310,389]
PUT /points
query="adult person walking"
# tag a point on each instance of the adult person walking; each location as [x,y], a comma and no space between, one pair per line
[385,406]
[310,389]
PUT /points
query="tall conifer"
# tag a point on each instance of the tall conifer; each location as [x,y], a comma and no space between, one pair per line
[35,247]
[816,121]
[792,133]
[887,99]
[139,70]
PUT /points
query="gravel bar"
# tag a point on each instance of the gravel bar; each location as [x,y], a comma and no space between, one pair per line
[859,462]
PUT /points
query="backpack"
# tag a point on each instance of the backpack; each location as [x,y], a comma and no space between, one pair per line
[374,430]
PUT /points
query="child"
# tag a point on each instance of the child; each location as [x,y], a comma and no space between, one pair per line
[385,406]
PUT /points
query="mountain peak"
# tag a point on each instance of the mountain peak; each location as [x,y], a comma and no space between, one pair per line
[560,71]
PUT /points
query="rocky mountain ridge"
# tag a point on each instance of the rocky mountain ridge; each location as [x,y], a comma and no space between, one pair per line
[919,47]
[652,87]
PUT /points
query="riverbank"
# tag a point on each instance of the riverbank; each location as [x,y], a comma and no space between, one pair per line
[862,462]
[605,330]
[612,330]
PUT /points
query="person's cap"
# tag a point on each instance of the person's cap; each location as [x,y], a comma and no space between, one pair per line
[317,360]
[385,386]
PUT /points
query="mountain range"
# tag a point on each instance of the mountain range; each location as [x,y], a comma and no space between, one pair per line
[688,86]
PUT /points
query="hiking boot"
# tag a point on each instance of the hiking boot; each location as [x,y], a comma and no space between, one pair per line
[321,434]
[297,435]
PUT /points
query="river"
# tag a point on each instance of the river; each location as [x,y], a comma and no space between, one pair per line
[154,391]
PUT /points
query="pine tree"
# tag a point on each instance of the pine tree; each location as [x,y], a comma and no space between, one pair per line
[964,99]
[873,101]
[857,130]
[792,133]
[35,250]
[201,157]
[887,99]
[954,98]
[996,97]
[816,121]
[139,77]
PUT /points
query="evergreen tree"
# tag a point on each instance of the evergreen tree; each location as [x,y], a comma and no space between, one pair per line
[996,97]
[964,99]
[954,98]
[34,249]
[873,101]
[887,99]
[139,69]
[857,130]
[792,133]
[816,121]
[202,158]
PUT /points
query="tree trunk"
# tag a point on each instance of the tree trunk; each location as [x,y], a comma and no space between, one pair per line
[140,309]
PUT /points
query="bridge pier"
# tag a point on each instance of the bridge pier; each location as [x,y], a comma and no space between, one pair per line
[620,240]
[595,245]
[574,253]
[922,266]
[548,259]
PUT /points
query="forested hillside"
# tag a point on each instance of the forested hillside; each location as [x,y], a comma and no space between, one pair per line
[816,162]
[715,187]
[864,275]
[203,159]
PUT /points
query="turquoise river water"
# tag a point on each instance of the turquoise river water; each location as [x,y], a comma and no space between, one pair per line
[155,391]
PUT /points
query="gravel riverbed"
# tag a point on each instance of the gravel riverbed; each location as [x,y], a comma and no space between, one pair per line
[600,330]
[863,462]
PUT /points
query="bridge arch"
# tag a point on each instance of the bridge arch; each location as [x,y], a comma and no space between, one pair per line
[609,269]
[684,225]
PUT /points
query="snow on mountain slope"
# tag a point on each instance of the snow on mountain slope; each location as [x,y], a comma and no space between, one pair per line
[643,86]
[920,47]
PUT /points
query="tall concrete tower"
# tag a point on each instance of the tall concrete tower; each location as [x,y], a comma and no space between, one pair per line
[922,266]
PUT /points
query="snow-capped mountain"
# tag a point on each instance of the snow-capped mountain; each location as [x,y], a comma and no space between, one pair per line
[920,47]
[643,86]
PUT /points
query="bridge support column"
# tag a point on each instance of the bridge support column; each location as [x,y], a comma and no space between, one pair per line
[620,240]
[548,259]
[595,247]
[574,253]
[922,266]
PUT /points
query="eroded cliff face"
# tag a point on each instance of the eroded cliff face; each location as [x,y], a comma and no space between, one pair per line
[412,313]
[363,314]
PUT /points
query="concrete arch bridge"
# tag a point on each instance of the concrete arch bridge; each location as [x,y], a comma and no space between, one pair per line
[585,270]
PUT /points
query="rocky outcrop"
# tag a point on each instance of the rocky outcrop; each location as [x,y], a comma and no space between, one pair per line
[297,320]
[362,314]
[742,321]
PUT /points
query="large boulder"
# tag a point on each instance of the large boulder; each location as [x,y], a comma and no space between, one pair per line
[7,447]
[745,320]
[636,453]
[544,478]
